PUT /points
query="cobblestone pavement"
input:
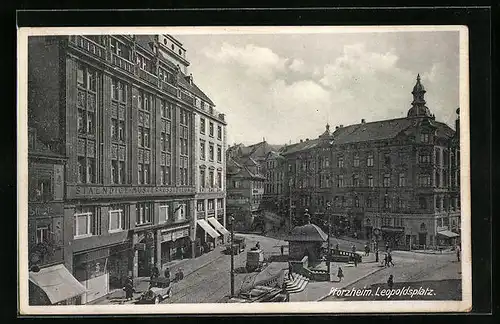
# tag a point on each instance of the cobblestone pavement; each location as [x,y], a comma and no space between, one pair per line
[438,272]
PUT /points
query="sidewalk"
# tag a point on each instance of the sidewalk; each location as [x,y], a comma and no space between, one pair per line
[188,266]
[317,291]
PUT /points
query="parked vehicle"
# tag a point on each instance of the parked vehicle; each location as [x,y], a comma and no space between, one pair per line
[237,247]
[255,260]
[159,290]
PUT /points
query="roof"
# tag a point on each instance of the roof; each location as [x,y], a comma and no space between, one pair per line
[307,233]
[145,41]
[193,88]
[305,145]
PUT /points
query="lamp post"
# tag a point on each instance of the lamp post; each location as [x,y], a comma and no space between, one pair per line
[232,255]
[290,204]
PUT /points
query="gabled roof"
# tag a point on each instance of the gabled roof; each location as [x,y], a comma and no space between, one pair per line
[374,131]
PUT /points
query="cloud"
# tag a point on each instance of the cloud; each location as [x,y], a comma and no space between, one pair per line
[297,65]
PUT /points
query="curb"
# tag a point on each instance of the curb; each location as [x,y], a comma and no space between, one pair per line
[352,282]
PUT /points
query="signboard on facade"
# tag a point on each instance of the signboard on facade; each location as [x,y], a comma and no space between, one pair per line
[45,209]
[102,191]
[174,235]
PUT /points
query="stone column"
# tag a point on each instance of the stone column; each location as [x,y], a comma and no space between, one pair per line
[192,212]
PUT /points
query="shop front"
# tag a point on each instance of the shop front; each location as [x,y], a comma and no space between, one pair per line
[91,270]
[54,285]
[446,237]
[119,265]
[207,241]
[220,228]
[175,244]
[393,236]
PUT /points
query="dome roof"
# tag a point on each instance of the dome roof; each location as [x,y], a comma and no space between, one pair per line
[308,233]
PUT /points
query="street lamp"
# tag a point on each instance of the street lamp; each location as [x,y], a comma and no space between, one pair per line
[232,255]
[329,253]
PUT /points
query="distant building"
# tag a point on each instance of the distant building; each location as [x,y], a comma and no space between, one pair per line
[397,180]
[126,116]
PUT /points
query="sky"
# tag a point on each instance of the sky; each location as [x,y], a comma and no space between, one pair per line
[287,87]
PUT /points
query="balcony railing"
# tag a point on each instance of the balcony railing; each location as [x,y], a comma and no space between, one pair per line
[186,98]
[89,46]
[122,63]
[168,88]
[147,76]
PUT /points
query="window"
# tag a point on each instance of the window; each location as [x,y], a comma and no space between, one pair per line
[211,151]
[219,203]
[85,222]
[163,216]
[422,202]
[211,179]
[219,179]
[424,180]
[211,204]
[219,132]
[202,150]
[369,160]
[184,177]
[356,201]
[401,203]
[424,157]
[202,178]
[202,125]
[340,181]
[211,129]
[386,202]
[343,202]
[200,206]
[387,180]
[438,179]
[144,213]
[119,49]
[180,212]
[236,184]
[219,153]
[370,181]
[356,161]
[43,191]
[86,78]
[437,153]
[387,159]
[42,234]
[355,180]
[402,180]
[424,137]
[144,63]
[369,202]
[116,218]
[340,162]
[86,170]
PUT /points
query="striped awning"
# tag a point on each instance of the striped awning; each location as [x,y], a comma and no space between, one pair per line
[218,226]
[207,228]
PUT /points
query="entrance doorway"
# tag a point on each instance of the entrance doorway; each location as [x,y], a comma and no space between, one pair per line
[422,238]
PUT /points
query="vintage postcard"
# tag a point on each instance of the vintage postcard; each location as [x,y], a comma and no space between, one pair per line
[279,169]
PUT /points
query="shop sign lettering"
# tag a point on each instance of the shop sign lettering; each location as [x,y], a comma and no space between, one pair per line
[79,191]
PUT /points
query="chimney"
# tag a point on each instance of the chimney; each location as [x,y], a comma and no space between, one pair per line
[336,127]
[307,139]
[301,140]
[362,121]
[341,126]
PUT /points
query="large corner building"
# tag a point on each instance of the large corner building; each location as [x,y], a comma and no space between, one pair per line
[132,169]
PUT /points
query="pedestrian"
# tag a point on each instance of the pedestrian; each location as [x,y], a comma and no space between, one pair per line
[355,257]
[386,260]
[282,249]
[389,259]
[290,271]
[376,256]
[337,249]
[167,273]
[366,249]
[458,253]
[353,248]
[387,246]
[129,288]
[340,274]
[257,246]
[155,273]
[390,281]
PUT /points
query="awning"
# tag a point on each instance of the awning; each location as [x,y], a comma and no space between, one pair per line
[448,234]
[57,282]
[218,226]
[207,228]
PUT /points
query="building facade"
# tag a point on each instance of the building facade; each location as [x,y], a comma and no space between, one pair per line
[394,180]
[124,111]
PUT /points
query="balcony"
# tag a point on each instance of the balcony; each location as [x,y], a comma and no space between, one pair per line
[148,77]
[122,63]
[169,88]
[89,46]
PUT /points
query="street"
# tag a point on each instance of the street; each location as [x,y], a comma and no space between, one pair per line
[213,282]
[439,273]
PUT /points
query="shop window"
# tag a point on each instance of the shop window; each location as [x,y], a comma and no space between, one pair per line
[163,217]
